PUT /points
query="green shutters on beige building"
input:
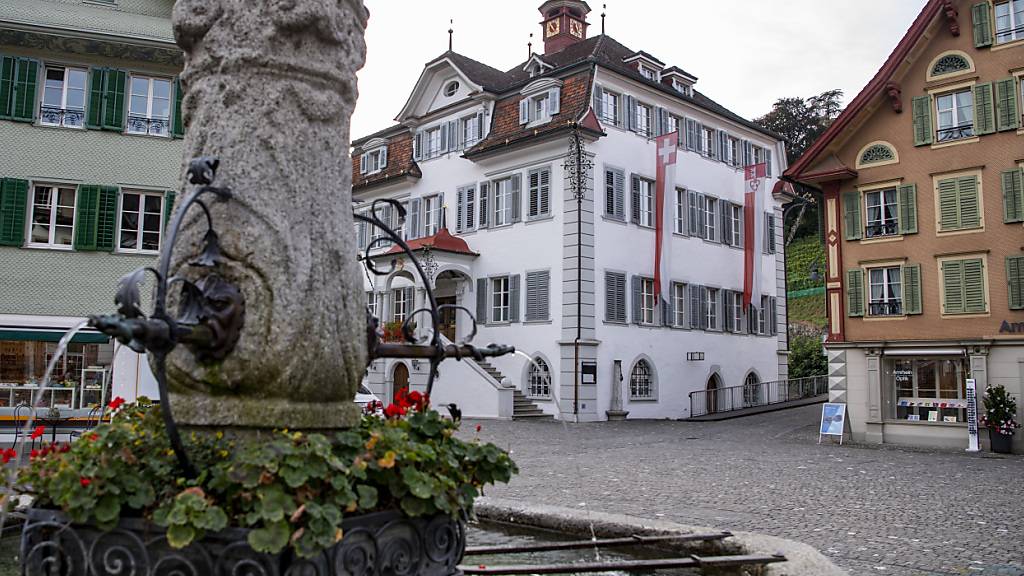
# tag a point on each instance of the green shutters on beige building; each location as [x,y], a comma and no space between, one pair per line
[963,283]
[855,292]
[851,215]
[922,115]
[982,23]
[1015,281]
[959,205]
[1013,195]
[1006,105]
[908,209]
[912,289]
[13,203]
[984,109]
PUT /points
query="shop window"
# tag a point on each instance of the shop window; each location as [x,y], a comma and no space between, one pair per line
[928,389]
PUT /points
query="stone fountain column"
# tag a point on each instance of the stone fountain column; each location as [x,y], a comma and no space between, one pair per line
[270,86]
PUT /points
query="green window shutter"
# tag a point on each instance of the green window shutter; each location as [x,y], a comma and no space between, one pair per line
[1015,279]
[970,208]
[855,292]
[178,127]
[94,116]
[981,18]
[113,100]
[13,203]
[908,209]
[984,109]
[851,215]
[168,206]
[1013,196]
[974,286]
[953,287]
[87,207]
[25,78]
[6,85]
[912,289]
[1006,105]
[922,113]
[106,221]
[949,209]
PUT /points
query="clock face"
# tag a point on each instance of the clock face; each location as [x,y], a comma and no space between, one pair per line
[576,28]
[553,27]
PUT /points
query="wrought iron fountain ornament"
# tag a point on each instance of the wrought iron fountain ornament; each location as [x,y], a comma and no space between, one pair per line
[211,311]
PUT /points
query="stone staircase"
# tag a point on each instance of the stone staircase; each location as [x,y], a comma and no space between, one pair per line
[522,407]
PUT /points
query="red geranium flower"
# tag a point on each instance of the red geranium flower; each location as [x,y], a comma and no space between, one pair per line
[33,454]
[115,403]
[93,437]
[478,427]
[38,432]
[84,481]
[394,411]
[9,454]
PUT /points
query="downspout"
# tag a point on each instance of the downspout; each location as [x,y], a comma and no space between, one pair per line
[579,272]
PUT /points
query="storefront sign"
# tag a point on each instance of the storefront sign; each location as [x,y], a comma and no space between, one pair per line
[972,415]
[833,420]
[1011,327]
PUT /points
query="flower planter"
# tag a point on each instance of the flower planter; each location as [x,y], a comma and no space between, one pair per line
[1001,443]
[380,544]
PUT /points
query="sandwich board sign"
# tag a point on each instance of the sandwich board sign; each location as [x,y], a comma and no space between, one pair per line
[833,420]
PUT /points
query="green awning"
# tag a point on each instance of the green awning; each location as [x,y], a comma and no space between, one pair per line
[51,336]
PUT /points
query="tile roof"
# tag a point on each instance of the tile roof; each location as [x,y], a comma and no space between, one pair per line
[443,241]
[85,18]
[400,164]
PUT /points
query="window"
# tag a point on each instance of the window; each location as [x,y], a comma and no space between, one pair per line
[927,389]
[431,215]
[1009,21]
[958,203]
[63,97]
[734,311]
[762,316]
[736,216]
[610,107]
[374,161]
[710,212]
[400,304]
[371,303]
[964,286]
[539,377]
[471,127]
[538,287]
[751,390]
[680,219]
[679,303]
[641,385]
[886,292]
[877,154]
[673,124]
[707,141]
[696,213]
[53,216]
[680,87]
[615,297]
[141,222]
[646,301]
[882,211]
[432,143]
[735,151]
[643,119]
[648,73]
[503,202]
[949,64]
[956,115]
[643,202]
[540,193]
[613,190]
[709,306]
[500,300]
[451,88]
[149,106]
[540,107]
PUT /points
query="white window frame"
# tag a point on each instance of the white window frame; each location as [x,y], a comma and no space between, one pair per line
[373,160]
[470,131]
[891,292]
[431,208]
[52,224]
[371,303]
[673,123]
[681,211]
[538,377]
[681,302]
[644,113]
[735,151]
[958,128]
[142,194]
[1015,18]
[646,203]
[735,309]
[148,116]
[647,303]
[610,107]
[640,382]
[736,217]
[707,141]
[710,208]
[880,199]
[648,72]
[501,299]
[64,113]
[399,305]
[432,142]
[710,296]
[502,212]
[539,108]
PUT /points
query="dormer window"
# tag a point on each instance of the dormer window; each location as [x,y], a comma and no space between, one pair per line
[541,100]
[648,73]
[373,161]
[682,88]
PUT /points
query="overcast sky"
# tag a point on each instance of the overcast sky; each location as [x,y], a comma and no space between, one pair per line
[746,54]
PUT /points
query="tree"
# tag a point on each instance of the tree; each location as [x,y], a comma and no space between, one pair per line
[806,358]
[800,121]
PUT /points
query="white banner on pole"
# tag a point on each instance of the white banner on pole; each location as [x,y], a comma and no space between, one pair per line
[972,415]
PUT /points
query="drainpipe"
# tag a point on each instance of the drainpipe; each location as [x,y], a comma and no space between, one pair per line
[579,271]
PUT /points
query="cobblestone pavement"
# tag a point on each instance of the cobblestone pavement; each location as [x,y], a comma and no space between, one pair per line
[871,509]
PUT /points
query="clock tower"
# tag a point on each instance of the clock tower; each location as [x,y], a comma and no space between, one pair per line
[564,23]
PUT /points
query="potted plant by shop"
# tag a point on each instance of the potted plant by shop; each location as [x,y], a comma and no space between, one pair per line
[999,418]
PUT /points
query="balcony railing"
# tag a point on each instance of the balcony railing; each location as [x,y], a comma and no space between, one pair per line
[881,229]
[890,308]
[753,395]
[53,116]
[150,126]
[956,132]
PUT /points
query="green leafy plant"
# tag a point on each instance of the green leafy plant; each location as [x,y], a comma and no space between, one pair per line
[805,357]
[291,489]
[1000,411]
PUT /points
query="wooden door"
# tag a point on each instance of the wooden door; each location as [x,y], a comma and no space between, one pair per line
[400,380]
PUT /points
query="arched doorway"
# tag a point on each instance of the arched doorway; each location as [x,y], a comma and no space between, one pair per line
[447,287]
[400,379]
[751,390]
[714,384]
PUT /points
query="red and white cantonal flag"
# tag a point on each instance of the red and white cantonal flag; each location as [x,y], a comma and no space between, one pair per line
[754,177]
[664,186]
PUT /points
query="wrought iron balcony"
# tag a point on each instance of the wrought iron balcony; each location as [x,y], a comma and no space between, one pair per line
[54,116]
[890,308]
[881,229]
[956,132]
[150,126]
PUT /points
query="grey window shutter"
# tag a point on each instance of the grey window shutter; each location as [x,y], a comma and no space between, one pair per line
[695,318]
[635,201]
[485,188]
[692,216]
[524,111]
[544,205]
[743,227]
[554,101]
[636,299]
[700,139]
[908,209]
[481,300]
[517,197]
[544,297]
[659,115]
[479,127]
[702,311]
[702,217]
[631,113]
[768,161]
[363,161]
[537,298]
[532,294]
[668,311]
[470,207]
[723,146]
[414,231]
[609,297]
[360,235]
[444,139]
[599,102]
[533,196]
[851,215]
[460,208]
[773,322]
[513,296]
[748,153]
[384,157]
[769,230]
[619,188]
[691,134]
[417,146]
[725,235]
[727,320]
[981,19]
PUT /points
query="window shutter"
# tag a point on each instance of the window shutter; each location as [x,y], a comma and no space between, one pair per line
[86,217]
[748,153]
[106,221]
[481,300]
[855,292]
[949,213]
[702,307]
[922,114]
[470,208]
[908,209]
[700,139]
[417,146]
[702,217]
[912,289]
[726,222]
[479,127]
[178,127]
[460,208]
[743,227]
[668,307]
[169,197]
[1013,196]
[537,299]
[444,139]
[23,95]
[659,121]
[630,113]
[533,198]
[554,101]
[694,306]
[13,204]
[970,210]
[953,287]
[609,297]
[384,157]
[363,161]
[1006,105]
[713,145]
[723,146]
[513,298]
[545,192]
[619,192]
[974,286]
[414,230]
[693,219]
[635,298]
[6,85]
[769,228]
[599,102]
[517,197]
[851,215]
[94,116]
[485,190]
[691,135]
[524,111]
[981,18]
[635,201]
[773,322]
[984,109]
[113,100]
[727,319]
[1015,279]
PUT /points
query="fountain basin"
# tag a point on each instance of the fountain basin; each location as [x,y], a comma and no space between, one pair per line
[381,544]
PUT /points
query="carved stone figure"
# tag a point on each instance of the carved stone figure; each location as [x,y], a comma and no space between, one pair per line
[270,86]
